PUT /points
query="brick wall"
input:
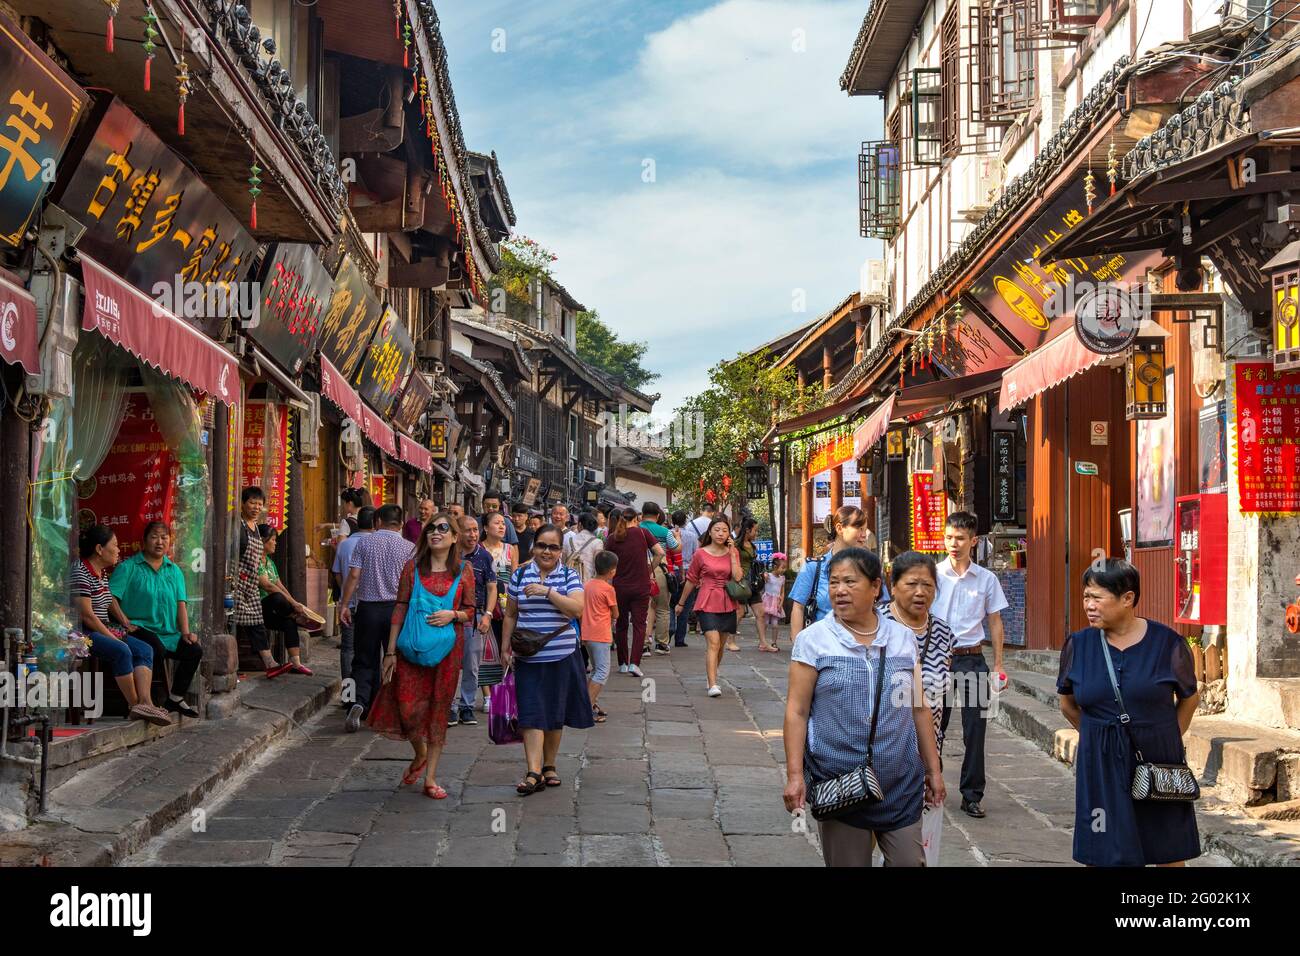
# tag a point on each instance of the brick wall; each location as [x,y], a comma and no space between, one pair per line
[1013,618]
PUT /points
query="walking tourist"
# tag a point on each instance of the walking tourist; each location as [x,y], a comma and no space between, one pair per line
[545,598]
[477,631]
[150,589]
[415,526]
[845,528]
[492,505]
[435,600]
[1128,685]
[713,565]
[600,609]
[752,578]
[582,546]
[280,610]
[249,620]
[631,545]
[374,570]
[676,566]
[970,599]
[657,625]
[112,639]
[505,558]
[855,697]
[774,600]
[691,536]
[365,524]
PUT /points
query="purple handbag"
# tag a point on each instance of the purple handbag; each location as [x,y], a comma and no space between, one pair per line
[503,712]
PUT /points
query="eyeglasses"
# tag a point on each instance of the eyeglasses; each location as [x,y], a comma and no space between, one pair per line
[440,529]
[546,547]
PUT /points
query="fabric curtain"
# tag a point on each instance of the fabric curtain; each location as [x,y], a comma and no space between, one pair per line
[99,396]
[51,508]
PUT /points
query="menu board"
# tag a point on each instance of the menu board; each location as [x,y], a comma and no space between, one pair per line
[1266,417]
[929,514]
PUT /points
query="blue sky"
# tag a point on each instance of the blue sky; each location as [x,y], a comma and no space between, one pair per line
[692,164]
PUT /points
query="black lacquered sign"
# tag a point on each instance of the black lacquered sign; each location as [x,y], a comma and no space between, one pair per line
[1004,476]
[387,364]
[350,319]
[414,401]
[295,293]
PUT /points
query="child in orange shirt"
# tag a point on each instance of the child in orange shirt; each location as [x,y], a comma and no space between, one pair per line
[599,612]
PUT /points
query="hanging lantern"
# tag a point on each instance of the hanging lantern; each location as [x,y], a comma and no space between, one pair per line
[1144,379]
[254,190]
[726,486]
[1284,271]
[150,20]
[112,12]
[755,477]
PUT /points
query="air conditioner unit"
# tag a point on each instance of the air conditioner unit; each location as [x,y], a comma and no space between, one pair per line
[309,431]
[350,445]
[982,178]
[58,309]
[873,278]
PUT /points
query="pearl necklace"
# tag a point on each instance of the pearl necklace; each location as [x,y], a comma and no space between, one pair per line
[893,606]
[871,633]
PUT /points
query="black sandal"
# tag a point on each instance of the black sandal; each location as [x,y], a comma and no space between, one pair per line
[598,715]
[524,788]
[551,781]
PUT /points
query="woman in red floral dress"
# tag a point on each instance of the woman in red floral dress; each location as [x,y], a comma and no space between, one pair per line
[414,701]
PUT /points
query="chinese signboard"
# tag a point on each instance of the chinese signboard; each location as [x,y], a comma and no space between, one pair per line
[1014,290]
[438,439]
[1266,414]
[929,512]
[387,364]
[136,483]
[148,218]
[414,401]
[266,458]
[1004,476]
[972,346]
[350,322]
[39,108]
[296,291]
[828,456]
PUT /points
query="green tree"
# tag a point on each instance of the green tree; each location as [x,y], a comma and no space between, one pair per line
[716,428]
[620,360]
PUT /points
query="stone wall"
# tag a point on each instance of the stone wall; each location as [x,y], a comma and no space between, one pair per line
[1013,618]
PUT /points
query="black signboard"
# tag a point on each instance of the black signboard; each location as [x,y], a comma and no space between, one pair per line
[387,364]
[151,220]
[296,291]
[414,401]
[39,109]
[350,322]
[1004,477]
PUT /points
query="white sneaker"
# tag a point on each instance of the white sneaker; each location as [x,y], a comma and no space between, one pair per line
[634,670]
[715,691]
[622,668]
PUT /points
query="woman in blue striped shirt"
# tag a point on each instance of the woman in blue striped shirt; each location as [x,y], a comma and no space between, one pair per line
[551,686]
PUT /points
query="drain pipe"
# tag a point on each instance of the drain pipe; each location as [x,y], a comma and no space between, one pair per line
[44,721]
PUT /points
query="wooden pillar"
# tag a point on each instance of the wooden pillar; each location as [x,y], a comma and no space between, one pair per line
[806,514]
[837,488]
[296,537]
[15,466]
[219,444]
[826,366]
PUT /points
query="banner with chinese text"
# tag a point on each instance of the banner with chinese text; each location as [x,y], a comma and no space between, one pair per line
[135,484]
[833,453]
[266,458]
[929,512]
[1266,438]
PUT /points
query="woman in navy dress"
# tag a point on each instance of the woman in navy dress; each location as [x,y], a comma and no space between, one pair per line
[1153,668]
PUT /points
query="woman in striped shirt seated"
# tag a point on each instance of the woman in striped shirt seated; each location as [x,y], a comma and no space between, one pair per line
[127,658]
[546,597]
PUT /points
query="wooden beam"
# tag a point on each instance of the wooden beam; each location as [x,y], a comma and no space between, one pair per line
[570,403]
[425,274]
[381,217]
[1219,188]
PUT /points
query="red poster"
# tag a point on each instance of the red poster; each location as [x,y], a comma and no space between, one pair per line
[929,513]
[378,485]
[258,447]
[831,455]
[136,483]
[1266,410]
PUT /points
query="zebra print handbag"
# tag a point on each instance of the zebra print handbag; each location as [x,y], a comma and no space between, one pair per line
[1160,782]
[859,787]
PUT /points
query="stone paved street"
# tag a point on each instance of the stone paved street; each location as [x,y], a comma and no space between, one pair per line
[678,779]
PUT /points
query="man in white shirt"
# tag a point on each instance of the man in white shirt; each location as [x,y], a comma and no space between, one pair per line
[969,598]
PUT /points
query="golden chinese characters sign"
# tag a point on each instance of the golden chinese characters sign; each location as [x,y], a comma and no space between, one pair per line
[387,364]
[148,218]
[39,108]
[350,319]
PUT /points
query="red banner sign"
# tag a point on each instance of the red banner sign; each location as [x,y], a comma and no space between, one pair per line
[929,513]
[262,448]
[1266,409]
[831,455]
[136,483]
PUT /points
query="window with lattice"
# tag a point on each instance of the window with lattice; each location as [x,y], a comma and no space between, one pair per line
[879,194]
[950,102]
[927,116]
[1001,83]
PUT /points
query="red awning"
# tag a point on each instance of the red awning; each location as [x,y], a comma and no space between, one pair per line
[1046,367]
[18,345]
[414,454]
[920,399]
[874,428]
[336,388]
[127,317]
[374,428]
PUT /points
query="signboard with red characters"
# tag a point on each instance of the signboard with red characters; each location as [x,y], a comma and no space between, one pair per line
[929,513]
[266,458]
[834,453]
[135,484]
[1266,415]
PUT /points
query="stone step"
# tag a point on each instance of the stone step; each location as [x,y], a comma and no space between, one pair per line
[1038,722]
[1290,696]
[1037,662]
[1241,760]
[1041,687]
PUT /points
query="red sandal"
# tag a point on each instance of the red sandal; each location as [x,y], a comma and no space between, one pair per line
[434,791]
[413,773]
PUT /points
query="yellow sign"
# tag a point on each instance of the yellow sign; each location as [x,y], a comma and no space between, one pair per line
[438,440]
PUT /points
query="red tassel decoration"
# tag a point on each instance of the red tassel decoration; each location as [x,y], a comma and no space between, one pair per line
[252,215]
[406,59]
[147,63]
[108,37]
[180,121]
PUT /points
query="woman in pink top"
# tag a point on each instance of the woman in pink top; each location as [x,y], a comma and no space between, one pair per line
[712,566]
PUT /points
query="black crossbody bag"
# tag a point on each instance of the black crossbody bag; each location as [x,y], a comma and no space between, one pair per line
[859,787]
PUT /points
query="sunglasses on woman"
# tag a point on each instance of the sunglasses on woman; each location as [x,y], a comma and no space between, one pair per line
[546,547]
[440,528]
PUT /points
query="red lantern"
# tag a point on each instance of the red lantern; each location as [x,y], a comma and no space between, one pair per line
[726,484]
[709,496]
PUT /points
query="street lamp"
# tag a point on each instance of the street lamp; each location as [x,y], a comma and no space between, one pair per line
[1284,271]
[755,477]
[1144,379]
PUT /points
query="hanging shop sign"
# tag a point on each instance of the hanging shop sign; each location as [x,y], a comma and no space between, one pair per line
[895,446]
[350,320]
[1106,320]
[153,222]
[831,455]
[38,118]
[1266,416]
[412,404]
[266,457]
[295,292]
[1004,477]
[19,344]
[438,439]
[136,483]
[531,489]
[387,363]
[379,490]
[1015,290]
[929,513]
[527,460]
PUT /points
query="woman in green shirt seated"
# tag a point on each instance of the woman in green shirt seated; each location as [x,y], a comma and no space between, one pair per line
[279,609]
[150,589]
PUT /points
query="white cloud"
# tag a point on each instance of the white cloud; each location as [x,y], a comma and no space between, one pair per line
[730,81]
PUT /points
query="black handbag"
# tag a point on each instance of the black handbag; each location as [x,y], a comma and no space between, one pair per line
[1162,782]
[810,608]
[525,642]
[858,788]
